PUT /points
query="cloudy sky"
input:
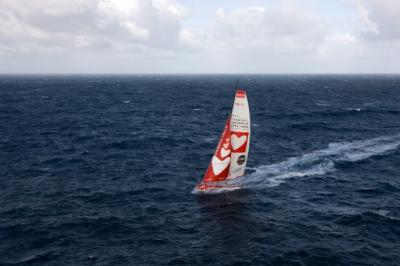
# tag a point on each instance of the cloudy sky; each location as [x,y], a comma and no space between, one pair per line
[199,36]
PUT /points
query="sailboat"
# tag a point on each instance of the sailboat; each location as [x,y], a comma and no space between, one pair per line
[230,157]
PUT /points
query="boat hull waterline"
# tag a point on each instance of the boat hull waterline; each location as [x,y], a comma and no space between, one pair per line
[214,189]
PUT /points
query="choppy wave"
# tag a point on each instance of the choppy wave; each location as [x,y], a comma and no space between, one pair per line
[319,162]
[88,178]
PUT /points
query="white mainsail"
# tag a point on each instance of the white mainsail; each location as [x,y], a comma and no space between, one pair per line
[240,134]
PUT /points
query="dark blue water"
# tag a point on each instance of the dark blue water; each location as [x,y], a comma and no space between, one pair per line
[98,170]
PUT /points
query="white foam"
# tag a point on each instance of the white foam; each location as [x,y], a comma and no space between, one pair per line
[322,103]
[354,109]
[319,162]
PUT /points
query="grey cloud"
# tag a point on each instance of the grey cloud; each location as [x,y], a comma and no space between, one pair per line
[93,23]
[287,29]
[152,36]
[384,19]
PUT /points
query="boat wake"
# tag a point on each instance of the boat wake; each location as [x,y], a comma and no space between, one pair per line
[319,162]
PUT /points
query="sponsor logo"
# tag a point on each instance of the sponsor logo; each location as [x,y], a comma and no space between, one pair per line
[240,94]
[241,159]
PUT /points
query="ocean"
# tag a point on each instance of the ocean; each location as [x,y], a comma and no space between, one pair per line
[99,170]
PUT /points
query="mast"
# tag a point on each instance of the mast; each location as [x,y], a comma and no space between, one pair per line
[237,85]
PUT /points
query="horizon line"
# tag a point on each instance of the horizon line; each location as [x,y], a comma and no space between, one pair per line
[195,73]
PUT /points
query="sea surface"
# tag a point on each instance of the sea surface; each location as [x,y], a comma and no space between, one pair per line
[99,170]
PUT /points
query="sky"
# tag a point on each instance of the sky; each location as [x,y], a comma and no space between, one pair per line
[199,36]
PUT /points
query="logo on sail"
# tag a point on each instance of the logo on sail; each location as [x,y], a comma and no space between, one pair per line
[240,94]
[241,159]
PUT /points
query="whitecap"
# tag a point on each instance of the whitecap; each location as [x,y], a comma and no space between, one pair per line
[322,104]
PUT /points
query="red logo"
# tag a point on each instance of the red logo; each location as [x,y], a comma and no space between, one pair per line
[240,94]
